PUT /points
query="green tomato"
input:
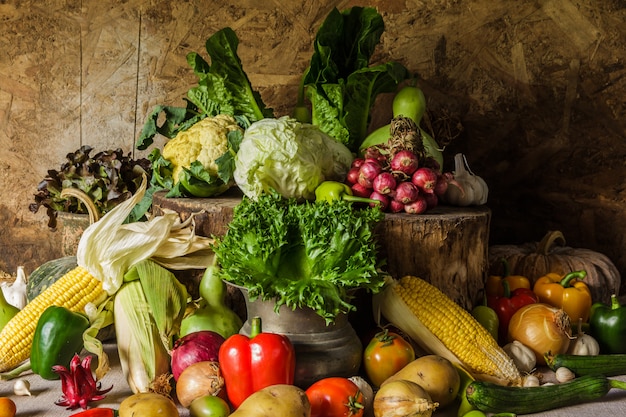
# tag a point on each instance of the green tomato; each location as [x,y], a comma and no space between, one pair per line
[209,406]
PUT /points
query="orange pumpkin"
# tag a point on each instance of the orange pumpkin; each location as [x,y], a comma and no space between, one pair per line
[534,260]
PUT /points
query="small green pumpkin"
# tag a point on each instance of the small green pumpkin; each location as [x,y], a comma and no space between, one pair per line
[47,274]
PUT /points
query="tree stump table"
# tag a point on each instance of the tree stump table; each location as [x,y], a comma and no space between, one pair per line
[447,246]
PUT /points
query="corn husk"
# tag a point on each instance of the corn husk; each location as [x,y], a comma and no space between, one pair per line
[109,247]
[148,310]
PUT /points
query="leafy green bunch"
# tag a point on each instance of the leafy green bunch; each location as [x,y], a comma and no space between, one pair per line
[301,254]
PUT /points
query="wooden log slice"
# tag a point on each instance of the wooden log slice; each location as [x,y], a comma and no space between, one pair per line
[447,246]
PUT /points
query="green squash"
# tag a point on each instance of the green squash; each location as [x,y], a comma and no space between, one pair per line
[47,274]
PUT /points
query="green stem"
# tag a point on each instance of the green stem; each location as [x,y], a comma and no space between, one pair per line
[616,383]
[614,302]
[255,326]
[7,376]
[357,199]
[573,275]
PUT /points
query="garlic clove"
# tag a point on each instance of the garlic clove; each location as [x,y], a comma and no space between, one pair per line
[22,387]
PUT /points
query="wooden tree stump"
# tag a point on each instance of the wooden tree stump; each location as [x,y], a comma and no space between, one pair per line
[447,246]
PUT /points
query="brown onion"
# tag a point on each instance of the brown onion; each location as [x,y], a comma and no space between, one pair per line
[197,380]
[542,328]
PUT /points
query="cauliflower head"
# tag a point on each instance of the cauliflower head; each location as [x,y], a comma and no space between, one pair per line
[205,141]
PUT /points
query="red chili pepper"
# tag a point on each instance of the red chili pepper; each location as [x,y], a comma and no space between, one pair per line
[249,364]
[506,305]
[97,412]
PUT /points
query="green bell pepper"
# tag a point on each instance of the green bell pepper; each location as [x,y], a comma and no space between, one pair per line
[607,324]
[58,336]
[334,190]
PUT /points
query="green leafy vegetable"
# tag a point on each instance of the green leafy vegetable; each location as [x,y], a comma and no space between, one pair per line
[307,254]
[223,88]
[339,82]
[108,178]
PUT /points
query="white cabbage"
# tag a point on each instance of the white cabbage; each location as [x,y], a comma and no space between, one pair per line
[290,157]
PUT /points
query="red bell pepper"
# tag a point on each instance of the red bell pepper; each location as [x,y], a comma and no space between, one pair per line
[506,305]
[249,364]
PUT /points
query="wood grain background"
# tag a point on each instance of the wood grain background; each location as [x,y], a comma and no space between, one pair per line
[533,92]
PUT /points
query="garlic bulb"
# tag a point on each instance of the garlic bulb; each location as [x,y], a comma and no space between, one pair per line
[474,189]
[523,357]
[583,344]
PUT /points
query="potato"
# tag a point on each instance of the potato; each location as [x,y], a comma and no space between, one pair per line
[275,400]
[435,374]
[147,404]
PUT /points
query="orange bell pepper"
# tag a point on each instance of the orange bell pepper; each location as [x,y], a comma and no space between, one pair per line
[567,292]
[494,287]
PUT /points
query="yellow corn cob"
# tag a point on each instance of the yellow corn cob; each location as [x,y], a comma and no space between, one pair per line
[73,291]
[442,327]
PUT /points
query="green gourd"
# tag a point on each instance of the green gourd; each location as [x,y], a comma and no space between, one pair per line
[7,311]
[213,314]
[408,102]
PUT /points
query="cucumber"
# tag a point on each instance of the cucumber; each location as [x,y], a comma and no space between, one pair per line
[606,364]
[494,398]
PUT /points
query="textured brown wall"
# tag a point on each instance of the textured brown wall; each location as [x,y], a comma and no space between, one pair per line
[537,87]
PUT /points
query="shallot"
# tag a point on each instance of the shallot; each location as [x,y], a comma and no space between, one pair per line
[384,200]
[367,172]
[404,161]
[360,191]
[425,179]
[384,183]
[417,206]
[353,175]
[406,192]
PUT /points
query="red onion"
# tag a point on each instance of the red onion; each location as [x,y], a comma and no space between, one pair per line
[360,191]
[417,206]
[384,200]
[404,161]
[406,192]
[200,346]
[384,183]
[432,200]
[395,206]
[353,175]
[357,162]
[373,153]
[368,171]
[443,182]
[425,179]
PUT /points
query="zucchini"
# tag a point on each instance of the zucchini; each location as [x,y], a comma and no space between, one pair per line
[494,398]
[606,364]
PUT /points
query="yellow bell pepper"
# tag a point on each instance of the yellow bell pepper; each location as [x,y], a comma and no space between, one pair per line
[567,292]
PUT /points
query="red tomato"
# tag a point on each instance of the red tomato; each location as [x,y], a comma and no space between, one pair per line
[335,397]
[386,354]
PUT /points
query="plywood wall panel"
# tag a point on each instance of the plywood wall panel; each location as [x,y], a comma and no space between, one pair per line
[534,92]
